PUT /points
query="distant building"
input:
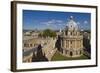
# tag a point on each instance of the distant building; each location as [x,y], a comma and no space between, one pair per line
[87,35]
[37,49]
[35,34]
[87,41]
[27,33]
[71,40]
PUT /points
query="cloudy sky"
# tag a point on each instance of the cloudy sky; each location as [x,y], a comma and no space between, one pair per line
[53,20]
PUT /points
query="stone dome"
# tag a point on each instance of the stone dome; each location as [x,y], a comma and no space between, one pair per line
[72,25]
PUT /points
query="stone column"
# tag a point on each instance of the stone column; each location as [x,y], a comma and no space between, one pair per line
[78,44]
[75,44]
[82,43]
[64,43]
[63,51]
[69,44]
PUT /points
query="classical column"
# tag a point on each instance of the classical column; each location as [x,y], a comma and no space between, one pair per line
[64,43]
[78,44]
[64,51]
[75,44]
[69,44]
[82,43]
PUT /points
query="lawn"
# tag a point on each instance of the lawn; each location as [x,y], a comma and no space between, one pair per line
[58,57]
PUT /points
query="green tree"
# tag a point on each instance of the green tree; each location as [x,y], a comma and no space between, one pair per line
[49,33]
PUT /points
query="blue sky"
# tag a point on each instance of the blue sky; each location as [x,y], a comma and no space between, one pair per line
[53,20]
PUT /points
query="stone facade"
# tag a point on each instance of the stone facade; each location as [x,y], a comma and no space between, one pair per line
[71,40]
[32,52]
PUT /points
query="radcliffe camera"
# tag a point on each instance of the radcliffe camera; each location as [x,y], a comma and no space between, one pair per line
[56,36]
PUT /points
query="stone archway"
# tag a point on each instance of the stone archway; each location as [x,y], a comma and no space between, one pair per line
[71,53]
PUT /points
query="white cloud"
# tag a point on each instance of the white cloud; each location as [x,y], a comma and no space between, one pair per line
[53,22]
[59,21]
[59,24]
[85,22]
[48,24]
[78,23]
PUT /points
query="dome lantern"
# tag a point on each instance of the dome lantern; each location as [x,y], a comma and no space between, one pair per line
[72,25]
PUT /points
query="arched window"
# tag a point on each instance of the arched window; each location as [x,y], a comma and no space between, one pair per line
[30,45]
[26,45]
[71,54]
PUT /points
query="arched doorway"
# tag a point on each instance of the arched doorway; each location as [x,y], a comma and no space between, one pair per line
[80,52]
[71,54]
